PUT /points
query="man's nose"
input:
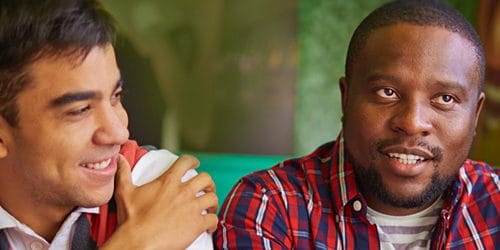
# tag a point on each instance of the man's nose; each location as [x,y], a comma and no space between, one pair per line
[413,118]
[112,126]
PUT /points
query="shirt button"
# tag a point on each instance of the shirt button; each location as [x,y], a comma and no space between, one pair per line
[357,206]
[35,245]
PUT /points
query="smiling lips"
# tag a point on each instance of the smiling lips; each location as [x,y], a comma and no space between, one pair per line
[408,162]
[97,165]
[407,158]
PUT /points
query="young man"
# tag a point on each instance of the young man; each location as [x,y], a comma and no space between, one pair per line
[397,177]
[64,143]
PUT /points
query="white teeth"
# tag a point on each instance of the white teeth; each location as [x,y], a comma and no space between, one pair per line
[99,165]
[406,159]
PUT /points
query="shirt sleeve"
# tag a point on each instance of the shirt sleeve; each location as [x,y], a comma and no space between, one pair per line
[253,217]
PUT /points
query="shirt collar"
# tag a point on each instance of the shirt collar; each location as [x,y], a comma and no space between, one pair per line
[88,210]
[342,178]
[9,221]
[463,184]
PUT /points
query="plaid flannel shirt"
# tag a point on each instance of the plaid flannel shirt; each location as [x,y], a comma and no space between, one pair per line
[308,203]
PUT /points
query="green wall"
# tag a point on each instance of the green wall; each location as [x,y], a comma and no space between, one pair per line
[325,28]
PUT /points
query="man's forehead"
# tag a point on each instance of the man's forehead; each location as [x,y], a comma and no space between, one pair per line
[402,41]
[72,55]
[74,68]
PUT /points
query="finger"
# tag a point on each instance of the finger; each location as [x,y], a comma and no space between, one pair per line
[210,222]
[209,202]
[123,185]
[210,184]
[180,167]
[123,179]
[202,182]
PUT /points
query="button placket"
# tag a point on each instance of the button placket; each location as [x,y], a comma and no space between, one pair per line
[36,245]
[357,206]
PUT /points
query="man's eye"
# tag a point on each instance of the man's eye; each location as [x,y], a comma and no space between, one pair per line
[79,111]
[386,92]
[446,99]
[117,96]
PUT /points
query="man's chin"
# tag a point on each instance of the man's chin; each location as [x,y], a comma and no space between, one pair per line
[97,199]
[405,197]
[407,200]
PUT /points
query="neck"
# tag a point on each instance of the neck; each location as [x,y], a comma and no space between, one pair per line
[385,208]
[43,218]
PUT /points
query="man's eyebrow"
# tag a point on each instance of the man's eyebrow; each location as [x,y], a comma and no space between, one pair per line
[451,85]
[385,78]
[80,96]
[73,97]
[119,84]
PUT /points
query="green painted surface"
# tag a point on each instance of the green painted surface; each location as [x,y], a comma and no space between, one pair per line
[227,169]
[325,28]
[467,8]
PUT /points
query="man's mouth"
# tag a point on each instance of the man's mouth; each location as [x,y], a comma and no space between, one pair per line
[97,165]
[406,158]
[409,152]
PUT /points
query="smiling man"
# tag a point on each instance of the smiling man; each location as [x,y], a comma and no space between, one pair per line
[397,177]
[64,145]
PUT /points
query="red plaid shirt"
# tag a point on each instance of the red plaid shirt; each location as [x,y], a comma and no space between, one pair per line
[307,203]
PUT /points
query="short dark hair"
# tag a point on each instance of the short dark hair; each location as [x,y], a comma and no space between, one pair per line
[34,29]
[417,12]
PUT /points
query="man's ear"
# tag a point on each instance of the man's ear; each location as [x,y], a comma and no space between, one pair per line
[5,137]
[479,107]
[344,90]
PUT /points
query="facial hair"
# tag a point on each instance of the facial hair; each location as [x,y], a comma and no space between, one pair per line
[369,179]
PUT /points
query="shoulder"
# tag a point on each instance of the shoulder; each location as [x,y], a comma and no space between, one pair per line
[294,172]
[477,211]
[479,173]
[295,179]
[480,187]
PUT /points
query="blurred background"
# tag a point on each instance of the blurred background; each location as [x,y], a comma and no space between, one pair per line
[258,77]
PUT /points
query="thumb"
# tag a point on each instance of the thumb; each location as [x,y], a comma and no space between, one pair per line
[123,178]
[123,187]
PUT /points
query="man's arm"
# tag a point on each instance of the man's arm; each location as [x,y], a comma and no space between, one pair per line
[165,213]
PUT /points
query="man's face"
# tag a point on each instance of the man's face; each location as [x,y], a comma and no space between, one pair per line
[410,113]
[71,125]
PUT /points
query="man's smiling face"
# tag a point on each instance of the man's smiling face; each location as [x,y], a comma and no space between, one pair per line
[410,111]
[63,153]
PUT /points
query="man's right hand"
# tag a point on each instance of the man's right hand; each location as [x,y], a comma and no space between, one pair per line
[165,213]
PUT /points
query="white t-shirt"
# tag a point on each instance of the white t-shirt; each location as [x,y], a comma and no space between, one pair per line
[412,231]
